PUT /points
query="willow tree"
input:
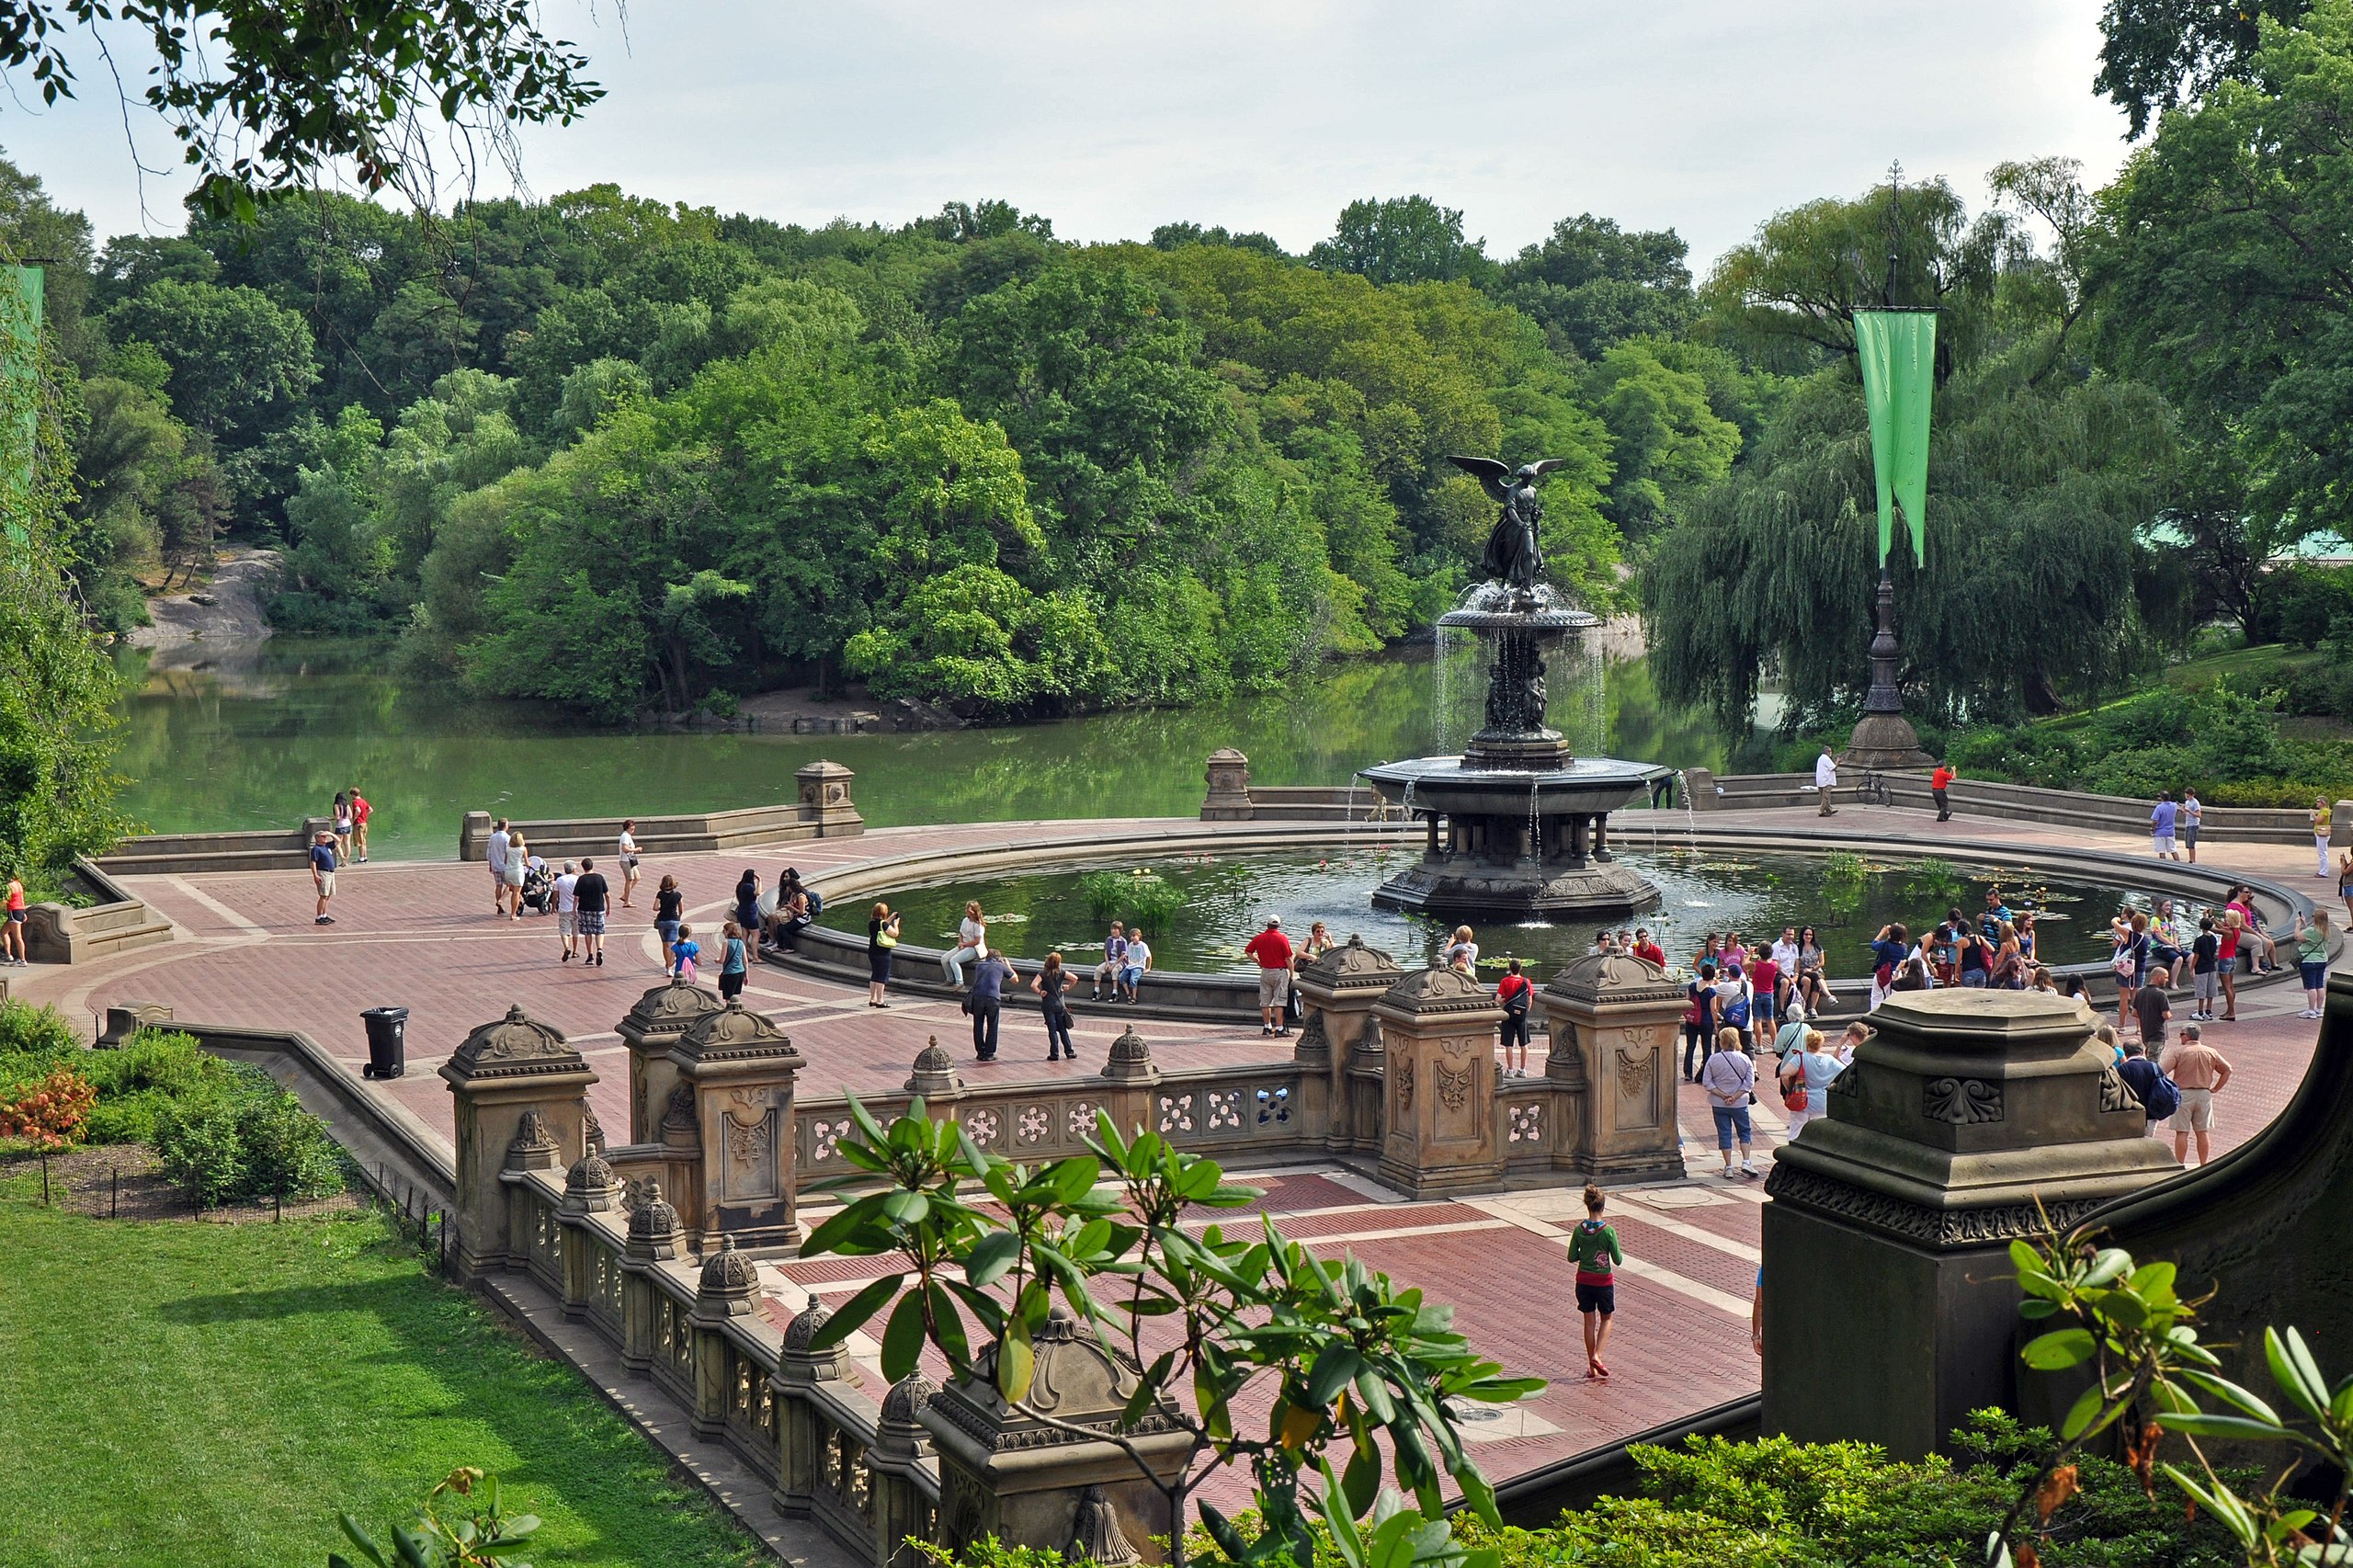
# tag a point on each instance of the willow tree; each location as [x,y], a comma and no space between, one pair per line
[2037,494]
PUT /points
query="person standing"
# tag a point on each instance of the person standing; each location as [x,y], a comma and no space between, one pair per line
[323,863]
[687,952]
[594,896]
[734,966]
[630,873]
[1939,787]
[2205,962]
[1272,951]
[1730,1080]
[1050,982]
[2153,1010]
[1764,980]
[2230,933]
[2312,958]
[1825,779]
[986,1001]
[1889,949]
[1698,1018]
[2198,1072]
[747,900]
[2158,1095]
[972,942]
[670,909]
[1593,1249]
[1805,1083]
[2189,820]
[2320,836]
[2345,879]
[1515,995]
[2163,817]
[881,942]
[2128,959]
[567,910]
[360,812]
[494,857]
[519,864]
[12,934]
[1115,953]
[343,824]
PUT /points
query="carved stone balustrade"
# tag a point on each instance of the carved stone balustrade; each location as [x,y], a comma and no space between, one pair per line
[1339,1049]
[1614,1021]
[1971,1118]
[739,1069]
[501,1073]
[1438,1032]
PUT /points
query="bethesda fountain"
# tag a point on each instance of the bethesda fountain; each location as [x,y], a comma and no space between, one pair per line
[1518,826]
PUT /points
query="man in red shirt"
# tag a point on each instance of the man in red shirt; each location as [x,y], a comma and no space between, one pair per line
[359,809]
[1939,782]
[1646,949]
[1515,995]
[1272,949]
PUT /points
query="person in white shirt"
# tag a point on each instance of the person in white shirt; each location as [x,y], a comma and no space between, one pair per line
[630,873]
[1825,779]
[496,856]
[1785,951]
[567,911]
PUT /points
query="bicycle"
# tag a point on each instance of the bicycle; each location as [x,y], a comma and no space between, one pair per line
[1873,791]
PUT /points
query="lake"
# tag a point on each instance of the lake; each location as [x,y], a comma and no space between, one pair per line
[262,740]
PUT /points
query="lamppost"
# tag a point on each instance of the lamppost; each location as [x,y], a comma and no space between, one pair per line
[1897,348]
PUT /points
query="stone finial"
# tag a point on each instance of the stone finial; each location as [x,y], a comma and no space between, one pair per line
[1613,978]
[900,1430]
[1427,993]
[533,1147]
[1229,780]
[1130,1060]
[798,1335]
[679,1115]
[1088,1383]
[590,1186]
[935,1073]
[515,1046]
[653,1234]
[1352,966]
[734,1032]
[1095,1536]
[591,1129]
[672,1008]
[729,1284]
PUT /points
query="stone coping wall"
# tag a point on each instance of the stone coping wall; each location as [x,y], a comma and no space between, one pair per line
[63,933]
[2017,802]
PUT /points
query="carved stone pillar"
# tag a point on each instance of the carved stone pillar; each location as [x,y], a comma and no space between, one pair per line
[901,1445]
[653,1238]
[934,1076]
[825,802]
[589,1189]
[740,1068]
[499,1074]
[1131,1074]
[1337,992]
[1965,1121]
[800,1434]
[1229,781]
[1439,1130]
[659,1020]
[1614,1021]
[1005,1472]
[728,1288]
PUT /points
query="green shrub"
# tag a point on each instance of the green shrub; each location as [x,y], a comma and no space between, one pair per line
[286,1150]
[2142,772]
[39,1032]
[201,1151]
[228,1133]
[1140,897]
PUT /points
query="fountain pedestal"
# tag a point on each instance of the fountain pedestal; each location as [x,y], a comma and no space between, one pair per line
[1517,826]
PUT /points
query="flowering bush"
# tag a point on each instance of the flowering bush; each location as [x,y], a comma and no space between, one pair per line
[50,1113]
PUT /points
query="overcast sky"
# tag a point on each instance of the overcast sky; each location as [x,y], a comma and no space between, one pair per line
[1703,115]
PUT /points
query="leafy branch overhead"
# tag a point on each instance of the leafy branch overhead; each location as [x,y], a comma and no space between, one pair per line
[1209,1322]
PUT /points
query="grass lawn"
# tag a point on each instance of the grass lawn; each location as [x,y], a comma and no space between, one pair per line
[184,1396]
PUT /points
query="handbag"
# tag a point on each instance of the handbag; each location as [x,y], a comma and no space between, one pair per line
[885,939]
[1794,1099]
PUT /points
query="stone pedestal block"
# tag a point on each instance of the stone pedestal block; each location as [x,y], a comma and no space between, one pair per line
[1437,1030]
[501,1073]
[1005,1472]
[1614,1021]
[124,1020]
[659,1020]
[1338,992]
[739,1069]
[589,1187]
[1229,781]
[801,1433]
[825,802]
[1890,1309]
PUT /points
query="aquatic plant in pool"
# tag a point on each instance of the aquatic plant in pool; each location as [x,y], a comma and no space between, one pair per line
[1214,904]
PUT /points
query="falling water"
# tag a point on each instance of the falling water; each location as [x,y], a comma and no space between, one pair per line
[1690,812]
[1442,694]
[1535,826]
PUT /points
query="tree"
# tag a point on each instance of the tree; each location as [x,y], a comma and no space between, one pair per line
[2158,53]
[1409,239]
[1592,284]
[57,721]
[265,101]
[240,364]
[1666,441]
[1175,237]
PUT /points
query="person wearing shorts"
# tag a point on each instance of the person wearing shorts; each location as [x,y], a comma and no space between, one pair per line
[1593,1249]
[1133,964]
[494,857]
[567,912]
[2200,1072]
[593,895]
[12,934]
[2188,821]
[2311,959]
[1272,951]
[1729,1079]
[323,875]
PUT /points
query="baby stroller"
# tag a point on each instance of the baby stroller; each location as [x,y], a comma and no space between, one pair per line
[538,890]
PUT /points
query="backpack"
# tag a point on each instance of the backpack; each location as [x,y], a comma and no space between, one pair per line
[1736,1012]
[2164,1096]
[816,901]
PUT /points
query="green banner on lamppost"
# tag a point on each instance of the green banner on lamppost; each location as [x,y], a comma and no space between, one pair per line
[1898,351]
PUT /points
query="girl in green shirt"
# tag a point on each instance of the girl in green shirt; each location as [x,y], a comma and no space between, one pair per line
[1593,1247]
[2311,957]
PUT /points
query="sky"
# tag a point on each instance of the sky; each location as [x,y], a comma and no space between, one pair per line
[1705,116]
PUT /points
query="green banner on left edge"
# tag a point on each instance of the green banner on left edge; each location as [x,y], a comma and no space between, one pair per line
[1898,352]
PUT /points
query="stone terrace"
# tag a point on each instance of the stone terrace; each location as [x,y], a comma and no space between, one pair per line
[419,934]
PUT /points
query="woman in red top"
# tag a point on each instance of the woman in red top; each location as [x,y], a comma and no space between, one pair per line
[1515,995]
[12,937]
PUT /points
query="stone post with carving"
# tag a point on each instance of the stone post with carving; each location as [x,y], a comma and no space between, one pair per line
[740,1068]
[658,1021]
[1614,1020]
[589,1189]
[1229,781]
[801,1431]
[501,1072]
[1004,1471]
[824,801]
[1438,1031]
[654,1239]
[1966,1120]
[902,1508]
[728,1288]
[1338,992]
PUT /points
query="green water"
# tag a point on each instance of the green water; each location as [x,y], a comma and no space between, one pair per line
[264,741]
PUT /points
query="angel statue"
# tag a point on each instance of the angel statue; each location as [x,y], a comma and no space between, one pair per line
[1513,556]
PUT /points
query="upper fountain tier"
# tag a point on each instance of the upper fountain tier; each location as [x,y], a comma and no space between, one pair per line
[1536,610]
[1520,623]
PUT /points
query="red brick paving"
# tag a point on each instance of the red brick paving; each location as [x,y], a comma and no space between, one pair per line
[421,934]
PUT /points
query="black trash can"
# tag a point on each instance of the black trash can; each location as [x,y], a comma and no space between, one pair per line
[387,1041]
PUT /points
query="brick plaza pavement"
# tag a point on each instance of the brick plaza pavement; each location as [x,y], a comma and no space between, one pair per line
[421,934]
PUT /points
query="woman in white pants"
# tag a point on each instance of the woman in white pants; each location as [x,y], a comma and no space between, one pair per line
[1811,1070]
[972,942]
[2320,835]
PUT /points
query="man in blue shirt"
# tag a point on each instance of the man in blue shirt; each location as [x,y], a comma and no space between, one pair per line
[1995,913]
[322,874]
[2161,818]
[1889,949]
